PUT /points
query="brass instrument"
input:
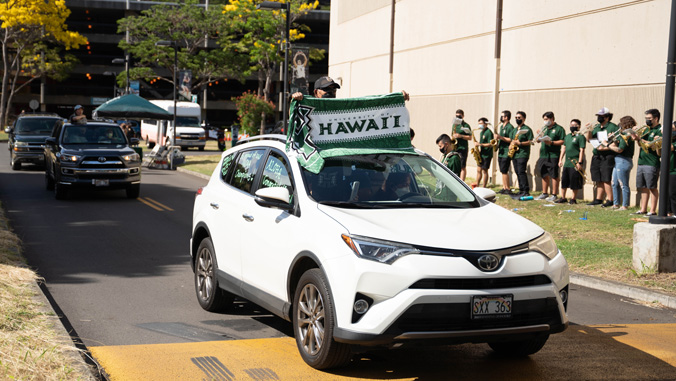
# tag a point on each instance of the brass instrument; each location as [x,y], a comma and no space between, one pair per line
[512,146]
[475,151]
[580,171]
[641,132]
[656,145]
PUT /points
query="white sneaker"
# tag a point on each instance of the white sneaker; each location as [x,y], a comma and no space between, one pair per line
[542,196]
[551,198]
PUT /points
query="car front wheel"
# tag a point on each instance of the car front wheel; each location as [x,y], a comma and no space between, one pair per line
[314,320]
[210,296]
[133,191]
[16,165]
[520,348]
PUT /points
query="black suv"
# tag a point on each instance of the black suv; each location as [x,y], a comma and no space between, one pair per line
[27,138]
[95,155]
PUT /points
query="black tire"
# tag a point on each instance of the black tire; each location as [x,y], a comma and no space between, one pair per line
[49,182]
[60,191]
[210,296]
[313,312]
[133,191]
[16,165]
[149,144]
[200,148]
[520,348]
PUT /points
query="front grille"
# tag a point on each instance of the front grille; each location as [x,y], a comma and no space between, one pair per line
[457,317]
[189,137]
[481,283]
[110,162]
[90,176]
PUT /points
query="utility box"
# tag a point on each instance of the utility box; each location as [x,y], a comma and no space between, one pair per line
[654,248]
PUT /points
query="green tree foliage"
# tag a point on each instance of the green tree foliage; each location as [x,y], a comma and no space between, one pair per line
[251,109]
[32,37]
[195,31]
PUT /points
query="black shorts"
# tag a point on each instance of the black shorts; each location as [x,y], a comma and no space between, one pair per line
[601,168]
[548,167]
[463,158]
[571,179]
[486,162]
[504,163]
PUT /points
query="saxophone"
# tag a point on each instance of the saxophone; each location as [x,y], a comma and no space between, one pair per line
[495,141]
[475,151]
[513,147]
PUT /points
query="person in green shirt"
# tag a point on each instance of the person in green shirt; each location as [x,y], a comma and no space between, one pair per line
[623,145]
[503,134]
[462,133]
[522,137]
[603,159]
[648,171]
[551,139]
[485,151]
[571,160]
[449,155]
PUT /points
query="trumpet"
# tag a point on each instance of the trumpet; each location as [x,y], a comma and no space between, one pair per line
[580,171]
[476,151]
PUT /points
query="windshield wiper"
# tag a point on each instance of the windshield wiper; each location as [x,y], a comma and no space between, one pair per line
[349,204]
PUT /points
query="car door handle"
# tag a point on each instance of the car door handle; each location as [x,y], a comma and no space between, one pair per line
[248,217]
[214,205]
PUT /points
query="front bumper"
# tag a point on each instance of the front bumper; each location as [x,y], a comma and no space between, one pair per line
[117,178]
[29,157]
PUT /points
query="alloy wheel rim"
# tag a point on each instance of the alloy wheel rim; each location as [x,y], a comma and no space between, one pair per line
[311,319]
[204,274]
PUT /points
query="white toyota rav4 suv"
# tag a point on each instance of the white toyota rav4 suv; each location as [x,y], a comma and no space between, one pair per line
[377,249]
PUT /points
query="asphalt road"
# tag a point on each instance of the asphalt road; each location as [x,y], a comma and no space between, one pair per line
[118,270]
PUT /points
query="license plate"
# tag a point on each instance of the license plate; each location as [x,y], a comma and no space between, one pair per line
[101,182]
[492,306]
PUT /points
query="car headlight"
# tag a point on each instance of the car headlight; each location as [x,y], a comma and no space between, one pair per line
[545,245]
[377,250]
[20,144]
[132,157]
[72,158]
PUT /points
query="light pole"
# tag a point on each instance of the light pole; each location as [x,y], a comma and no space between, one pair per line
[285,97]
[125,61]
[172,44]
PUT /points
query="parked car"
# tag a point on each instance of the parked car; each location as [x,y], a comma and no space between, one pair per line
[377,249]
[26,138]
[96,155]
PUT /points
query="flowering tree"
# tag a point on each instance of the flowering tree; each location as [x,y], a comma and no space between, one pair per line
[33,33]
[251,110]
[261,33]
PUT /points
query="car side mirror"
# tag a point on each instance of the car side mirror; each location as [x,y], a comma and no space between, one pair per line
[50,141]
[8,130]
[133,141]
[276,197]
[485,193]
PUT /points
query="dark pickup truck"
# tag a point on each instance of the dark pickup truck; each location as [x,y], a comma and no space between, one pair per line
[95,155]
[27,138]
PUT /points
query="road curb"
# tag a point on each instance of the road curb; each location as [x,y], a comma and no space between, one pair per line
[200,175]
[623,289]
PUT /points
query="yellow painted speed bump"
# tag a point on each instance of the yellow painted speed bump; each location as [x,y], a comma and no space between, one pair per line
[658,340]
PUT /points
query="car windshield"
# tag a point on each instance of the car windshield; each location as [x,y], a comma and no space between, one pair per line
[29,126]
[75,134]
[387,181]
[187,121]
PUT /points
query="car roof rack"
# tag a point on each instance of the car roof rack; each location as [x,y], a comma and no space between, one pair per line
[276,137]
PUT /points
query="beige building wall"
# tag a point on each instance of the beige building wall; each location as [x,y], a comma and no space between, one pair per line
[571,57]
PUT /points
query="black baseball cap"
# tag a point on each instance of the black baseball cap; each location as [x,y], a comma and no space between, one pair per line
[325,83]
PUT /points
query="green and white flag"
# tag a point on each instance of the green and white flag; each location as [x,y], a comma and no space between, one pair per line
[322,128]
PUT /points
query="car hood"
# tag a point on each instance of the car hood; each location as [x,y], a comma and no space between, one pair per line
[489,227]
[31,138]
[97,149]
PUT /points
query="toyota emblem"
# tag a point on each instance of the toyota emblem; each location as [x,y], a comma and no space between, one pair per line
[488,262]
[102,159]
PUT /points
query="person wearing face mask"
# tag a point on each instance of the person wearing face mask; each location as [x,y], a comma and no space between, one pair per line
[503,134]
[550,141]
[603,159]
[485,150]
[648,170]
[449,156]
[624,162]
[462,133]
[571,160]
[522,137]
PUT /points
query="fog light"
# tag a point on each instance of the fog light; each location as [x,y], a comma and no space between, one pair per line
[564,295]
[361,306]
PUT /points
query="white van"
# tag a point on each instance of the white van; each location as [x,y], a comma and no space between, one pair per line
[188,119]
